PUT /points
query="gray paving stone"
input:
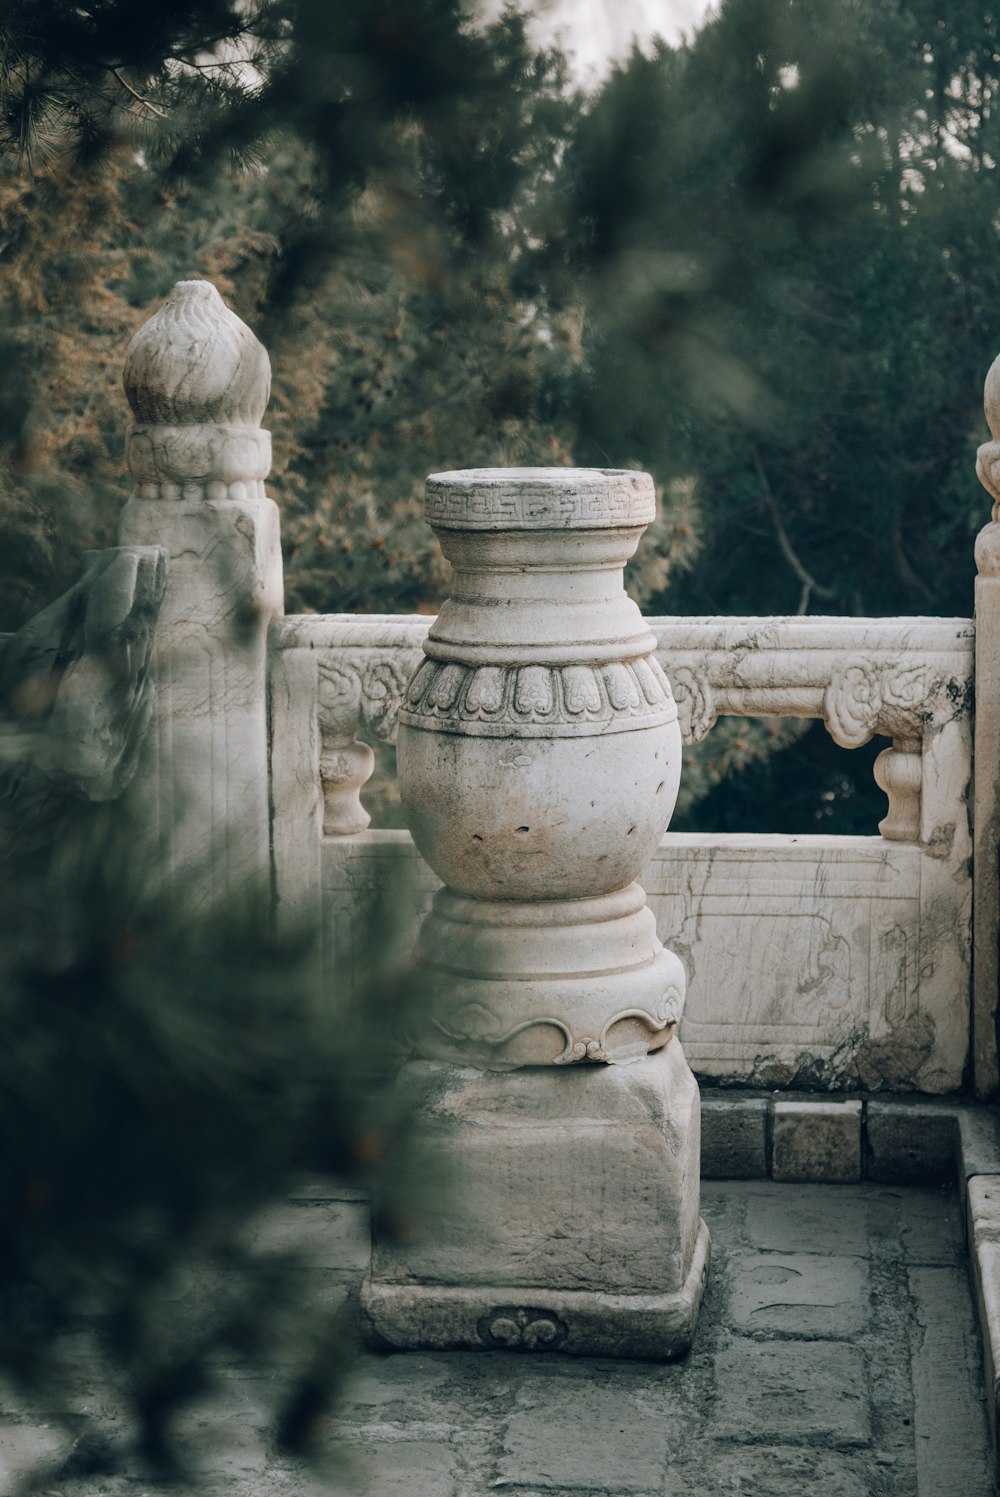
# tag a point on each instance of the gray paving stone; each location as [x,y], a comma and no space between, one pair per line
[597,1438]
[952,1438]
[770,1471]
[24,1447]
[734,1135]
[816,1141]
[415,1379]
[792,1391]
[807,1218]
[320,1234]
[910,1144]
[229,1435]
[798,1294]
[402,1468]
[723,1203]
[756,1409]
[930,1227]
[310,1189]
[983,1206]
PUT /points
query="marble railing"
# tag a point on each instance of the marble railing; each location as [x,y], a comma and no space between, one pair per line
[906,679]
[821,961]
[814,960]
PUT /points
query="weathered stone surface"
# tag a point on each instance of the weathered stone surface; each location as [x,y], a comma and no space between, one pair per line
[567,1217]
[986,1273]
[403,1468]
[983,1222]
[930,1227]
[464,1425]
[943,1377]
[321,1234]
[538,1177]
[986,977]
[734,1138]
[806,1390]
[978,1142]
[798,1294]
[772,1471]
[984,1208]
[625,1450]
[197,381]
[858,949]
[817,1141]
[26,1446]
[539,759]
[909,1144]
[801,1221]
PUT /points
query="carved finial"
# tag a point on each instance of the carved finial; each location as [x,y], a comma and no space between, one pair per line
[198,382]
[195,362]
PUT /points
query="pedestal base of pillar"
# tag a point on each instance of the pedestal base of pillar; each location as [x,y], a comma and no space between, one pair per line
[577,1322]
[565,1216]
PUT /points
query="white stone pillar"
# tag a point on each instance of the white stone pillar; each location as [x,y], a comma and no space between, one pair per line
[986,765]
[539,758]
[198,381]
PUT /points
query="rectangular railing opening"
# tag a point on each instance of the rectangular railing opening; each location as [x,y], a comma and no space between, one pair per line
[783,775]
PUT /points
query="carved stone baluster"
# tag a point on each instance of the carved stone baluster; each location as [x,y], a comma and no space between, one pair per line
[539,758]
[345,764]
[986,758]
[898,771]
[197,381]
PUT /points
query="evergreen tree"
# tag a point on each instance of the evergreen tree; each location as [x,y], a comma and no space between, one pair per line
[788,235]
[403,332]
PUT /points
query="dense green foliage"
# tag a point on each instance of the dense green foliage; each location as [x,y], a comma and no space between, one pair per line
[798,296]
[787,235]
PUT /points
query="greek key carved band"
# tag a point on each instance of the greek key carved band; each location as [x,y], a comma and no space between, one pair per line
[594,500]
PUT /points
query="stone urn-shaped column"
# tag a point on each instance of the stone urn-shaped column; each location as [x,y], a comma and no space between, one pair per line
[539,759]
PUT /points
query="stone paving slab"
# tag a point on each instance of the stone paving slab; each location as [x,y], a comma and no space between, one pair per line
[771,1471]
[808,1218]
[798,1294]
[625,1448]
[793,1391]
[837,1356]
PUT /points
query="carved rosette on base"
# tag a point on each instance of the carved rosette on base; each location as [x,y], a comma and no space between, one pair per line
[539,758]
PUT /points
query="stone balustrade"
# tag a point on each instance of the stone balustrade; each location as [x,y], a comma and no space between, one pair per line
[539,722]
[827,961]
[824,961]
[910,680]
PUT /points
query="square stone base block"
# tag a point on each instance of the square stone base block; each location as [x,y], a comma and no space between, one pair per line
[566,1217]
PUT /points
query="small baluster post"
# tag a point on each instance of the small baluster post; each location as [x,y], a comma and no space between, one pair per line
[345,763]
[898,771]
